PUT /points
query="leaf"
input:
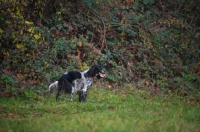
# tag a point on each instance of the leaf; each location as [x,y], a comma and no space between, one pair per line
[1,31]
[80,43]
[108,54]
[31,81]
[29,23]
[36,36]
[20,46]
[109,86]
[19,75]
[31,30]
[5,71]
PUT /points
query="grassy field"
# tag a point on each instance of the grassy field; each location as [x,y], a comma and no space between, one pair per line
[105,111]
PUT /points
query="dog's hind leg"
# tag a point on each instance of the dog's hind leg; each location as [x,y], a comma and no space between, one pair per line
[58,94]
[60,89]
[80,96]
[69,88]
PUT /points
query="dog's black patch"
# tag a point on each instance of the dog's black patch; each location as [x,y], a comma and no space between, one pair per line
[69,77]
[65,82]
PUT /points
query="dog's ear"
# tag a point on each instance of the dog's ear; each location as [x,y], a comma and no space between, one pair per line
[91,71]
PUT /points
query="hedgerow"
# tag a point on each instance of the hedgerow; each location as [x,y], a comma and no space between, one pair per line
[151,45]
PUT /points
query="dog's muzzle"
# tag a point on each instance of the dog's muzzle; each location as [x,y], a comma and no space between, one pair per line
[102,73]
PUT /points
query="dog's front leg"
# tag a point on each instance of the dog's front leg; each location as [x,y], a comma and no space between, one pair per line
[71,97]
[82,95]
[72,94]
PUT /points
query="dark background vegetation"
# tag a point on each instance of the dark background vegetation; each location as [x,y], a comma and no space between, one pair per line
[144,44]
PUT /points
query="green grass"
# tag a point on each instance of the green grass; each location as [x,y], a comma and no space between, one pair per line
[105,111]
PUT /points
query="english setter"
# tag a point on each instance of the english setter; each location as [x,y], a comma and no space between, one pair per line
[77,81]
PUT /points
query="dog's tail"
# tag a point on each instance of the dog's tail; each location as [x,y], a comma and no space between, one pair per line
[53,87]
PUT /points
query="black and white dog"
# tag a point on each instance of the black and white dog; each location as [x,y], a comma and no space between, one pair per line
[73,81]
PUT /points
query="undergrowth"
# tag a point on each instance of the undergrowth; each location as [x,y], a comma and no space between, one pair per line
[151,44]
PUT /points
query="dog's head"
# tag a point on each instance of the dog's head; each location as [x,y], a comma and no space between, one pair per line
[97,71]
[101,71]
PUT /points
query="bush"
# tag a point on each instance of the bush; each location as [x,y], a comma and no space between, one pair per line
[143,43]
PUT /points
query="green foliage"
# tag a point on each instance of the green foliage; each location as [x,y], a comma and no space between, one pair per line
[147,43]
[8,85]
[7,80]
[29,94]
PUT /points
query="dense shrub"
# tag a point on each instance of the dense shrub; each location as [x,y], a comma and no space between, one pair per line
[153,45]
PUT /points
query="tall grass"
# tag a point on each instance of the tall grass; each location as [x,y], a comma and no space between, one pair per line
[105,111]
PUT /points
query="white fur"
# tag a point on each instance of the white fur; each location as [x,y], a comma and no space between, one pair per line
[53,86]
